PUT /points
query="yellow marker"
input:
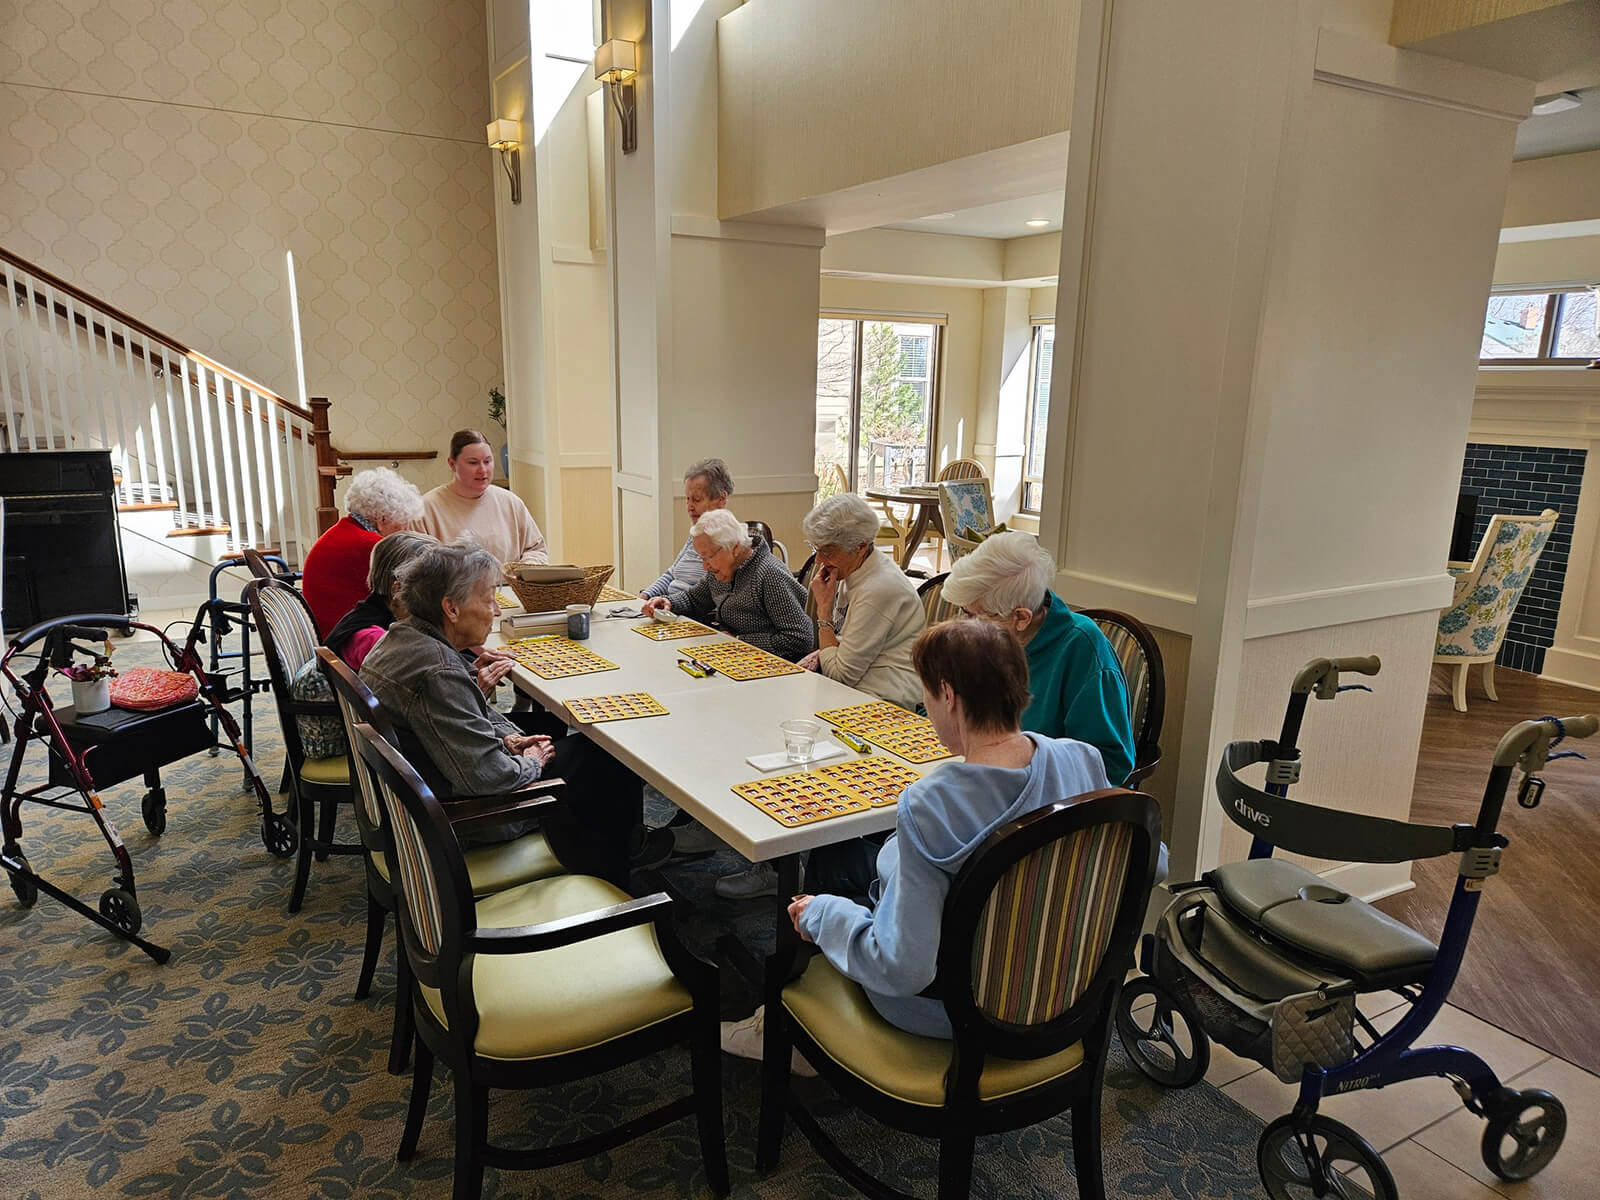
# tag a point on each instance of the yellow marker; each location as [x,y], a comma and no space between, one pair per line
[853,742]
[690,668]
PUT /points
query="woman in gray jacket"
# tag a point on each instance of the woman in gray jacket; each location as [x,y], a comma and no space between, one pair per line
[462,747]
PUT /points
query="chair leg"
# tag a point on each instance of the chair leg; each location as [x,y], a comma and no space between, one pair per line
[404,1022]
[955,1166]
[472,1131]
[302,867]
[1488,681]
[325,827]
[1086,1147]
[421,1083]
[776,1053]
[705,1056]
[1458,687]
[376,919]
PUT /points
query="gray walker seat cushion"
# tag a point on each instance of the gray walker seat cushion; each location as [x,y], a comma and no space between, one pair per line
[1297,908]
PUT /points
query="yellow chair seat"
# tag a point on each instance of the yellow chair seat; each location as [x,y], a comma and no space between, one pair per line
[333,771]
[836,1013]
[501,866]
[571,998]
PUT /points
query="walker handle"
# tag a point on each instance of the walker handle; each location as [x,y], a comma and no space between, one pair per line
[1527,744]
[1322,674]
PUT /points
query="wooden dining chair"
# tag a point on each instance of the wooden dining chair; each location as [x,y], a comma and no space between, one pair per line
[935,608]
[1145,678]
[554,980]
[492,868]
[1030,986]
[317,771]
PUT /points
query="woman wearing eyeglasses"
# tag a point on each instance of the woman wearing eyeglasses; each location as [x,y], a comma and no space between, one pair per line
[868,612]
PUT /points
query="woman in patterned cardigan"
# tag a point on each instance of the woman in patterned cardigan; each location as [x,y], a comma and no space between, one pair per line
[763,604]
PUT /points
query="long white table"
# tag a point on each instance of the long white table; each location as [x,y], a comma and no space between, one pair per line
[697,752]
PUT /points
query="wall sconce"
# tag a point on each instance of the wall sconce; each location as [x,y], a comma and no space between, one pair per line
[504,136]
[615,64]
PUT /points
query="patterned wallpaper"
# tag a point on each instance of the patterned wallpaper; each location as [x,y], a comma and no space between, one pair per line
[164,156]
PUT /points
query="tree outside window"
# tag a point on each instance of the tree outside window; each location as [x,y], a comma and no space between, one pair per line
[875,402]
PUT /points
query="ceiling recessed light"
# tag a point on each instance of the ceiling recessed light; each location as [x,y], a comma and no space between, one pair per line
[1560,102]
[938,217]
[1036,223]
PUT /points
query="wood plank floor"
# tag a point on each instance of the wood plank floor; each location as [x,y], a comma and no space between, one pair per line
[1533,966]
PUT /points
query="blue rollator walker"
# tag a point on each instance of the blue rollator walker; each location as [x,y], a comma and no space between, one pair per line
[1266,958]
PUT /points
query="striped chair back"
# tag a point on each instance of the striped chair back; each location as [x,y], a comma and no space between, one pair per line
[289,632]
[1145,677]
[419,889]
[369,807]
[935,608]
[1047,924]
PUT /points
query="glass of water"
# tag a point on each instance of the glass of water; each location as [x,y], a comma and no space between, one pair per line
[798,739]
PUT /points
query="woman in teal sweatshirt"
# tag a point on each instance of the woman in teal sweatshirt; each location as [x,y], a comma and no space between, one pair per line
[1077,684]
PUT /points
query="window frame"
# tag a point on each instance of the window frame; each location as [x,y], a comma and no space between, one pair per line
[1553,299]
[1033,485]
[860,319]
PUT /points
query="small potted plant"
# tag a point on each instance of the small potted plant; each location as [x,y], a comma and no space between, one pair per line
[91,684]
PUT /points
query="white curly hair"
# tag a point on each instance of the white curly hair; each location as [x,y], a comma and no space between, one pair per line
[380,494]
[1007,572]
[844,521]
[723,528]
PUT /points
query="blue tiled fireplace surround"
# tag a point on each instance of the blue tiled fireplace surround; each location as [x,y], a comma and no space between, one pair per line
[1528,479]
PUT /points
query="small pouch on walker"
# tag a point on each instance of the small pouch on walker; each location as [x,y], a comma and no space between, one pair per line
[145,689]
[1312,1028]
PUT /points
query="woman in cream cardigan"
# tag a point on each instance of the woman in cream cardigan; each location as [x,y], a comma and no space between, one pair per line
[869,613]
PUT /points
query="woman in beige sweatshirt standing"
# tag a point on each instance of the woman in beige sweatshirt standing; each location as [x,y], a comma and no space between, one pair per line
[869,613]
[471,506]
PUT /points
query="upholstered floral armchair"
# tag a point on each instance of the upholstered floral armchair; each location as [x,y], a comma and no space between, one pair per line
[965,507]
[1487,591]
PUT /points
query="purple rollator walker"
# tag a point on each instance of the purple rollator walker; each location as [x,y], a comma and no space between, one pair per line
[1266,958]
[91,752]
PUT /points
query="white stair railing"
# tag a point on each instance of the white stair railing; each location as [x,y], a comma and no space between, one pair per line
[224,454]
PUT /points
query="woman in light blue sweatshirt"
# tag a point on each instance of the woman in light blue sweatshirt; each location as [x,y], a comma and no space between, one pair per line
[706,485]
[975,685]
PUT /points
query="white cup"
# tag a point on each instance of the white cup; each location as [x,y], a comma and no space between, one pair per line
[798,739]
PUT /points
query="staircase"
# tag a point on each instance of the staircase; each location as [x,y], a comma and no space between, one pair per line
[199,451]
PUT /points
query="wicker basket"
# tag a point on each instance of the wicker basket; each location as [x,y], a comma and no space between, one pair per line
[548,597]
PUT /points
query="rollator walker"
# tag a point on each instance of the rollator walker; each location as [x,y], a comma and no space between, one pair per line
[1268,959]
[91,752]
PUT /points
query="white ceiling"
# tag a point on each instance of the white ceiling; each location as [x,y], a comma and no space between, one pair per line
[1569,132]
[1005,219]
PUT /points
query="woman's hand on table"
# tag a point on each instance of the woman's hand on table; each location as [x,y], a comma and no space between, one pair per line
[797,909]
[812,661]
[656,604]
[485,653]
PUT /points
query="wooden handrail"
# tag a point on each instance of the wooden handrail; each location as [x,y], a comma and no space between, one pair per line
[386,455]
[149,331]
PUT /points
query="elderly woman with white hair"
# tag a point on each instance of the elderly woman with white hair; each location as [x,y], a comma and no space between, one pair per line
[762,604]
[706,486]
[1073,674]
[869,612]
[462,747]
[377,502]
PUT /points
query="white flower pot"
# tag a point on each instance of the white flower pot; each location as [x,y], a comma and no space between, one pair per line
[91,695]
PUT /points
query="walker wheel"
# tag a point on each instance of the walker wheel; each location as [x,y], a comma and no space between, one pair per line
[278,835]
[26,889]
[1524,1133]
[118,906]
[1163,1040]
[154,808]
[1333,1161]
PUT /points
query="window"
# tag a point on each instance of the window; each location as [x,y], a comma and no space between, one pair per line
[876,395]
[1545,328]
[1042,358]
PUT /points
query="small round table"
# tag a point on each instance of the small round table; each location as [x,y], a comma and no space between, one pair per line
[925,507]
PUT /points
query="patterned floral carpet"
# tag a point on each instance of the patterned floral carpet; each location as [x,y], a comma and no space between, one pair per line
[244,1068]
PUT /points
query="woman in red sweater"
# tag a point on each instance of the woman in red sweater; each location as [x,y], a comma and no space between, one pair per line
[377,502]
